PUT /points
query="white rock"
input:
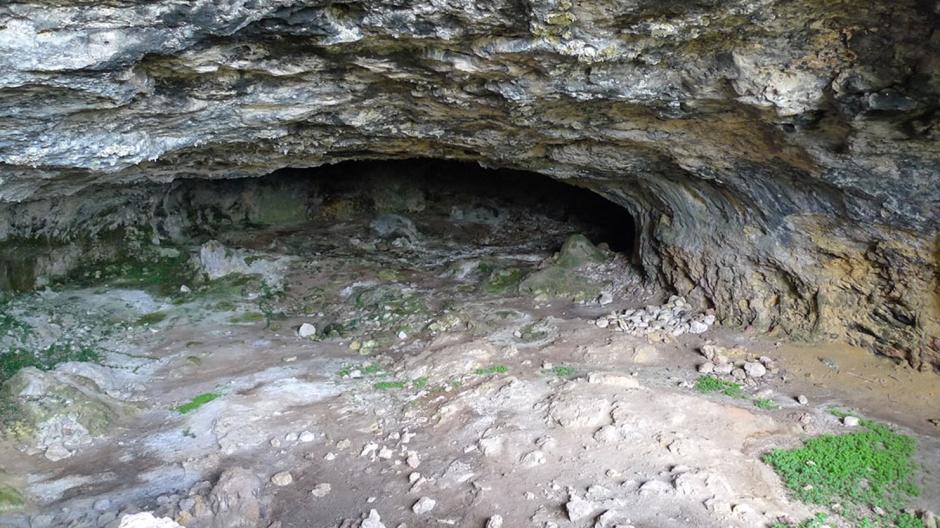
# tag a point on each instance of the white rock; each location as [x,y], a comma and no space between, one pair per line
[284,478]
[185,289]
[57,452]
[372,521]
[307,437]
[697,327]
[607,434]
[706,368]
[413,460]
[495,521]
[755,369]
[602,322]
[147,520]
[851,421]
[386,453]
[579,508]
[321,490]
[423,505]
[307,330]
[802,400]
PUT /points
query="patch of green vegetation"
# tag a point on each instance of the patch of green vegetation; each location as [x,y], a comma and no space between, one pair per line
[502,281]
[562,371]
[419,383]
[764,403]
[137,265]
[495,369]
[10,498]
[709,384]
[247,317]
[388,385]
[12,360]
[150,319]
[864,471]
[197,402]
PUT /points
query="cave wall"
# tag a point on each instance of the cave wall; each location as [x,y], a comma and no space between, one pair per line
[782,156]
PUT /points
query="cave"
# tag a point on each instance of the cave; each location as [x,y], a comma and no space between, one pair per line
[645,264]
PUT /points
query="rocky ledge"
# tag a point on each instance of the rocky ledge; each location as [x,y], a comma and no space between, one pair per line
[780,157]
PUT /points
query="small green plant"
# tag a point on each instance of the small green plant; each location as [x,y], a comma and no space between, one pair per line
[765,403]
[495,369]
[709,384]
[419,383]
[562,371]
[10,498]
[197,402]
[868,470]
[388,385]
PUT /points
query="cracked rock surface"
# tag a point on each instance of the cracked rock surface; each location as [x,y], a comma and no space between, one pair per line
[780,157]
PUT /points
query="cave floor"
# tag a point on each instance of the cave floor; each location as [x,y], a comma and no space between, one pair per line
[429,375]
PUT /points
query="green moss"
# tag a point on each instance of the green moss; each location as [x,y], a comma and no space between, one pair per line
[818,521]
[197,402]
[150,319]
[12,360]
[419,383]
[388,385]
[765,403]
[709,384]
[502,281]
[247,317]
[562,371]
[10,498]
[862,471]
[495,369]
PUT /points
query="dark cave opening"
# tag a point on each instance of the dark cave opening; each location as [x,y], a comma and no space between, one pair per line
[481,189]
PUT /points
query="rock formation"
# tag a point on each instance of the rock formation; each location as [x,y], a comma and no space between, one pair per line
[780,157]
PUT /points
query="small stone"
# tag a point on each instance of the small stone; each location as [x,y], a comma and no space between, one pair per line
[414,477]
[102,505]
[372,521]
[307,330]
[604,299]
[802,399]
[602,322]
[697,327]
[706,368]
[321,490]
[495,521]
[402,335]
[413,460]
[738,374]
[329,457]
[755,369]
[290,438]
[579,508]
[57,452]
[284,478]
[423,505]
[851,421]
[386,453]
[185,289]
[307,437]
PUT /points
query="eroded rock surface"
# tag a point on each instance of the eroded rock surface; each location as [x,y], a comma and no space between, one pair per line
[780,156]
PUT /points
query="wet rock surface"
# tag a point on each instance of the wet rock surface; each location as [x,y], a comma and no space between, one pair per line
[779,156]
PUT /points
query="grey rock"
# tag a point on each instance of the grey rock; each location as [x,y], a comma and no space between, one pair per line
[234,500]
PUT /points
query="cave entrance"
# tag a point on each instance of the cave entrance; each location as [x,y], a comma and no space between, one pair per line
[487,205]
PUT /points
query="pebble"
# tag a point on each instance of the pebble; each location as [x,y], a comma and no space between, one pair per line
[495,521]
[424,505]
[307,437]
[102,505]
[706,368]
[307,330]
[755,369]
[802,400]
[413,460]
[851,421]
[284,478]
[321,490]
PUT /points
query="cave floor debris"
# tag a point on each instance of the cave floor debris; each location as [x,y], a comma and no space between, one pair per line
[389,371]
